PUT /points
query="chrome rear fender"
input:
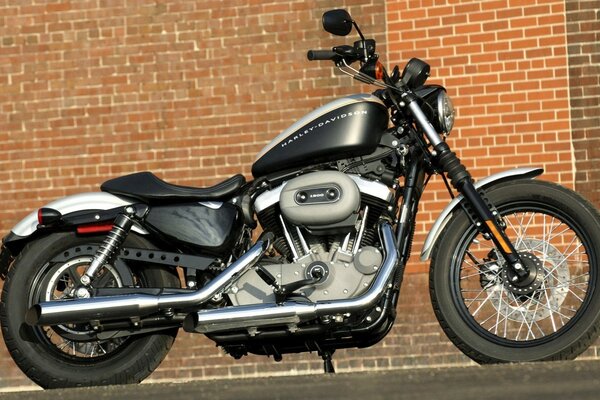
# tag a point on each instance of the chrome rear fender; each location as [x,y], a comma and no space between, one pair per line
[446,214]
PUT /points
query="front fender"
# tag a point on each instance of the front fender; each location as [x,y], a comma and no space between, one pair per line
[78,202]
[446,214]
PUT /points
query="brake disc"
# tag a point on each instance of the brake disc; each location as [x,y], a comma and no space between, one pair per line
[543,301]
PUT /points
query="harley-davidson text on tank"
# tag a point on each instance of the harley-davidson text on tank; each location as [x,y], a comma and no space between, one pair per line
[322,124]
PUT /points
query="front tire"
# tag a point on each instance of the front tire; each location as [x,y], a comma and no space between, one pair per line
[556,317]
[68,356]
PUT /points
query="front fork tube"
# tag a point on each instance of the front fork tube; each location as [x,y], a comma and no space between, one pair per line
[487,221]
[413,188]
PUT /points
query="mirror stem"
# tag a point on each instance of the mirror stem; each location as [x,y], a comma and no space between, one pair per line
[358,30]
[362,37]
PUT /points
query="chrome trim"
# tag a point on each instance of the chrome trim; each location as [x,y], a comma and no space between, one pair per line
[252,316]
[78,202]
[140,305]
[288,238]
[214,205]
[346,241]
[372,188]
[260,315]
[361,230]
[430,132]
[85,310]
[446,214]
[268,198]
[302,241]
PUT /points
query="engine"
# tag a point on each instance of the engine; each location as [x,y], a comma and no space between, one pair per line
[326,228]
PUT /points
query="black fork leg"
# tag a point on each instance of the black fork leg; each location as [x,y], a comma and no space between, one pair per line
[462,181]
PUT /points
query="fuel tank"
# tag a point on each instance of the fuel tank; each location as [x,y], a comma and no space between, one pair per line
[348,127]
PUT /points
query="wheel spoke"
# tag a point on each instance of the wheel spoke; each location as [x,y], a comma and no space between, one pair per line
[562,261]
[482,304]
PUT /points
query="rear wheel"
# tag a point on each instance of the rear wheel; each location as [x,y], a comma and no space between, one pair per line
[71,354]
[554,315]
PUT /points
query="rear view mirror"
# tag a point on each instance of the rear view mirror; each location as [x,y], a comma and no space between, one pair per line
[337,22]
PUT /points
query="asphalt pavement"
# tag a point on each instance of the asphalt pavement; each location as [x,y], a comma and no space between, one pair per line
[565,380]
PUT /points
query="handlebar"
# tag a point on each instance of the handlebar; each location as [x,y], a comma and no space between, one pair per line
[315,55]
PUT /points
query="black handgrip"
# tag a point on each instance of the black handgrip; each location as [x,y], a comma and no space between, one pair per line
[314,55]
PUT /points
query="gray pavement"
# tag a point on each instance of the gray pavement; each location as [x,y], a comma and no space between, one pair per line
[568,380]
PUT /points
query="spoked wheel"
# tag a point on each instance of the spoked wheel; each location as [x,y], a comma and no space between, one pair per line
[553,314]
[72,354]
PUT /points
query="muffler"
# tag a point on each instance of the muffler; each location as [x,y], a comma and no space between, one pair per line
[140,305]
[291,312]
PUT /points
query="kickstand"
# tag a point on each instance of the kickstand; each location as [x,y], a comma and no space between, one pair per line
[327,364]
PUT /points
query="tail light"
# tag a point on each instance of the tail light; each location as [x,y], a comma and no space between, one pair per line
[48,216]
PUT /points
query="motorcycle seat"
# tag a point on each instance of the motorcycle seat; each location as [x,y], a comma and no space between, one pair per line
[150,189]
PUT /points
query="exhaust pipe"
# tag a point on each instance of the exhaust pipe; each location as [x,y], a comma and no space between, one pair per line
[290,312]
[141,305]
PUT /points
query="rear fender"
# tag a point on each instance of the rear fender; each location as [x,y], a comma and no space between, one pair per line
[82,203]
[446,214]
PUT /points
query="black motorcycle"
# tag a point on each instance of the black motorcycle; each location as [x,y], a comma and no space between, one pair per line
[98,284]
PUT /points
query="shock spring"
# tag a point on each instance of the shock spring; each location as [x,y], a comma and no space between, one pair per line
[109,249]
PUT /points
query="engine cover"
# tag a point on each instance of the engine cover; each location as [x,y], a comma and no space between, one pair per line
[320,199]
[345,276]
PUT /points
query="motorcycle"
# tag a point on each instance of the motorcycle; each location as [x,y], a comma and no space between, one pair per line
[97,285]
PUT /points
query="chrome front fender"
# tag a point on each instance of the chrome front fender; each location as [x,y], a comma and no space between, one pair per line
[446,214]
[78,202]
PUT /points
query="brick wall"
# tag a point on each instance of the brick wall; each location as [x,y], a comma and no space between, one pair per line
[583,29]
[504,64]
[193,89]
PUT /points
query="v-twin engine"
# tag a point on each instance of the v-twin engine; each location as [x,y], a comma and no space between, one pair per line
[325,224]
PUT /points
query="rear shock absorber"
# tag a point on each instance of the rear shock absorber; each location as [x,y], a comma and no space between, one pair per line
[108,251]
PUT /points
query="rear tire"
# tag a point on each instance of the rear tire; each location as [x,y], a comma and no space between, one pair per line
[553,318]
[67,356]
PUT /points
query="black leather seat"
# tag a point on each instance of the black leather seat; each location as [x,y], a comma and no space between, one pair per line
[148,188]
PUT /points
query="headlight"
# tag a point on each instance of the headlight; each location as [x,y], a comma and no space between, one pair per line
[445,112]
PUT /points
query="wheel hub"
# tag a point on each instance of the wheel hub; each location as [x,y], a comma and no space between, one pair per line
[532,282]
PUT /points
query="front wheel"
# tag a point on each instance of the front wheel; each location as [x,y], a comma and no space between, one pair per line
[71,354]
[555,315]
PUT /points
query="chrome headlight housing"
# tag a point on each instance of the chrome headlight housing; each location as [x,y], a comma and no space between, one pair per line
[445,112]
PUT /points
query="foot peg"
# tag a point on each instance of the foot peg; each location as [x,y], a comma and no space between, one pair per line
[282,292]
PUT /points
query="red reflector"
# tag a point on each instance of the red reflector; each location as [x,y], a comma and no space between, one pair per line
[379,71]
[40,217]
[96,228]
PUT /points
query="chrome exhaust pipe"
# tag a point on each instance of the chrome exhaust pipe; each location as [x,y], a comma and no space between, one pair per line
[290,312]
[141,305]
